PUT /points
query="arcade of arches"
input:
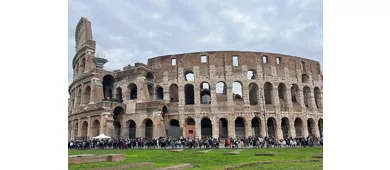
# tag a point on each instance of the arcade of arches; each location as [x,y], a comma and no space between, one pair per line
[238,127]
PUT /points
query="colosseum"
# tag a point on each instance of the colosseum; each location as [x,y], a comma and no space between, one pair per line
[215,94]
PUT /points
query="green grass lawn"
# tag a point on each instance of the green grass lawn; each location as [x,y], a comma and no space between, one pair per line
[212,160]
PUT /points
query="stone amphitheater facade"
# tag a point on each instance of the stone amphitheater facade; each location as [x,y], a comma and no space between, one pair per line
[194,95]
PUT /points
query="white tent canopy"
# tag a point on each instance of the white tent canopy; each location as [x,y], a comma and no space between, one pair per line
[101,136]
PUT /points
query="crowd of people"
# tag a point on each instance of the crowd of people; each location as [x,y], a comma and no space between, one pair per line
[174,143]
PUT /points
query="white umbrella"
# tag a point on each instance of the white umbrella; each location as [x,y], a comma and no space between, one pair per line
[101,136]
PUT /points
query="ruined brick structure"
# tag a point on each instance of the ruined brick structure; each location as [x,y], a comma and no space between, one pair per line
[191,94]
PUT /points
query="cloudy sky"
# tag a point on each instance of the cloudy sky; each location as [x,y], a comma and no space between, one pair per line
[129,31]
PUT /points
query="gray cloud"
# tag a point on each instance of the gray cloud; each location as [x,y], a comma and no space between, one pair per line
[132,31]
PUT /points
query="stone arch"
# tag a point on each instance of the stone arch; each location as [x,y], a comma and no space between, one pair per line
[190,127]
[239,127]
[119,94]
[133,91]
[252,74]
[174,93]
[237,90]
[87,95]
[221,91]
[117,129]
[108,85]
[159,93]
[132,129]
[206,127]
[306,96]
[78,101]
[282,91]
[268,93]
[256,126]
[205,95]
[150,90]
[149,77]
[318,97]
[189,75]
[82,65]
[118,113]
[223,128]
[311,126]
[84,130]
[298,124]
[95,128]
[148,123]
[253,93]
[271,126]
[294,93]
[305,78]
[285,127]
[189,94]
[320,126]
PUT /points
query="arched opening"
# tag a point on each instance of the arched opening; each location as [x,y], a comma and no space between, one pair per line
[220,90]
[320,126]
[149,77]
[206,128]
[78,101]
[190,128]
[285,127]
[256,126]
[150,90]
[306,96]
[117,128]
[82,65]
[298,127]
[271,126]
[282,92]
[189,94]
[174,93]
[108,85]
[253,94]
[251,74]
[84,130]
[132,129]
[239,127]
[223,128]
[119,96]
[311,127]
[305,78]
[148,128]
[159,93]
[189,75]
[133,91]
[268,92]
[174,128]
[164,110]
[205,96]
[87,95]
[294,93]
[317,97]
[95,129]
[118,116]
[76,129]
[237,91]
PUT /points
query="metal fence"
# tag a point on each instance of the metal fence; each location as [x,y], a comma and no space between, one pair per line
[149,132]
[174,131]
[223,133]
[240,132]
[206,132]
[132,133]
